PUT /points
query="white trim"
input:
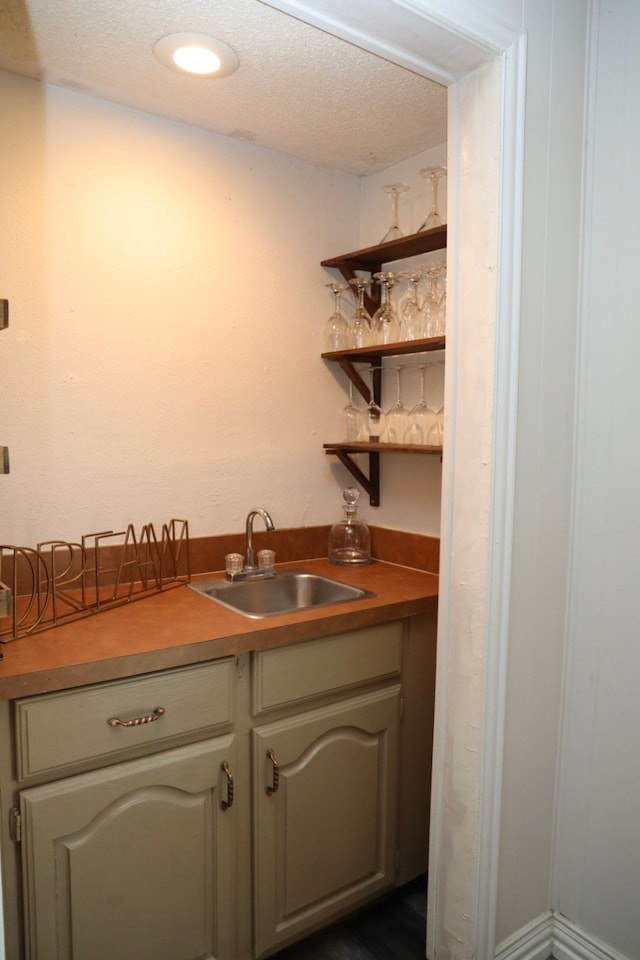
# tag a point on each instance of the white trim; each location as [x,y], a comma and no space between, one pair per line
[532,942]
[552,935]
[459,51]
[466,19]
[503,476]
[572,943]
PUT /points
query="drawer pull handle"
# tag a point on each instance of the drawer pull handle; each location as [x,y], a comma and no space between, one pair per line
[275,783]
[226,804]
[157,713]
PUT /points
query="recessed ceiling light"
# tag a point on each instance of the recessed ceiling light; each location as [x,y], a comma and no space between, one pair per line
[196,55]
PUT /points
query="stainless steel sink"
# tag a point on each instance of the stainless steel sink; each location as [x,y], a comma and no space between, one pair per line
[287,592]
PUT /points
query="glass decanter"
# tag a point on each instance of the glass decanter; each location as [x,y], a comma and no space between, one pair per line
[349,539]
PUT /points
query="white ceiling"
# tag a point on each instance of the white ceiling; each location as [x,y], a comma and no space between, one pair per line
[298,90]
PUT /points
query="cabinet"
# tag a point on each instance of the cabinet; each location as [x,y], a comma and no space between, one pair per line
[234,807]
[133,861]
[325,803]
[372,259]
[122,832]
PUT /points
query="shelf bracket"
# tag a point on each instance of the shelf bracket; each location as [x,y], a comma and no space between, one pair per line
[355,378]
[370,484]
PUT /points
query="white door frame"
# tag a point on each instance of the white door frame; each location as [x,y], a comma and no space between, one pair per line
[482,61]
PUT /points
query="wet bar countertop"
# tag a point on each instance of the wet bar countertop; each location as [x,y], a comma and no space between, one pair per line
[177,627]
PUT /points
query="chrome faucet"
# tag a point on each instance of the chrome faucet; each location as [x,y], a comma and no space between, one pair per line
[250,566]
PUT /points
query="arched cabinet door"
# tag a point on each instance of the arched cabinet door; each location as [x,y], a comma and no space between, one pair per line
[135,861]
[325,799]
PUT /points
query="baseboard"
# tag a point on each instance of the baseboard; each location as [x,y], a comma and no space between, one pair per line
[553,936]
[533,942]
[572,943]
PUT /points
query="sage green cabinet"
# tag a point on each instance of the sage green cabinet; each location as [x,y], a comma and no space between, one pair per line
[217,811]
[324,814]
[134,861]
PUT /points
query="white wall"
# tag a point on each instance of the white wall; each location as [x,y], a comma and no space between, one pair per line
[598,849]
[552,193]
[167,308]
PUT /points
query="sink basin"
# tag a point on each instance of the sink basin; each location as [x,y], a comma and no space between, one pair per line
[287,592]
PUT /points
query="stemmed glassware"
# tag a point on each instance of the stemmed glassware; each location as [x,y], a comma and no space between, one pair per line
[360,326]
[396,416]
[432,175]
[411,318]
[442,303]
[336,327]
[394,190]
[373,415]
[431,305]
[420,417]
[385,320]
[352,419]
[435,435]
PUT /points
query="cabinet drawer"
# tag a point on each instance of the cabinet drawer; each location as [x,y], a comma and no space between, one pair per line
[57,731]
[303,671]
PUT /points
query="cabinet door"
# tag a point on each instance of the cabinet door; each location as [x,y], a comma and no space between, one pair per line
[134,862]
[325,839]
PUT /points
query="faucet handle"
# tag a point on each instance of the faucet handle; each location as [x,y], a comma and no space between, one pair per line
[233,562]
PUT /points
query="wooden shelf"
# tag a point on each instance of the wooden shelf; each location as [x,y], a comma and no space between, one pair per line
[371,482]
[371,355]
[365,447]
[372,259]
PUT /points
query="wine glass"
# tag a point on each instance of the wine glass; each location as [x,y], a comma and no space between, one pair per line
[420,417]
[431,303]
[336,327]
[394,190]
[373,415]
[352,419]
[360,326]
[396,416]
[385,320]
[442,303]
[411,319]
[435,435]
[432,175]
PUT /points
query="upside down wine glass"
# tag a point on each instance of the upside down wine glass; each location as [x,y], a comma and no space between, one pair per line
[396,416]
[432,175]
[435,435]
[431,305]
[373,415]
[360,326]
[352,419]
[385,320]
[394,190]
[336,327]
[411,320]
[420,417]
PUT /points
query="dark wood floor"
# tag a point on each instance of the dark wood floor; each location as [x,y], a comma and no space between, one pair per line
[391,929]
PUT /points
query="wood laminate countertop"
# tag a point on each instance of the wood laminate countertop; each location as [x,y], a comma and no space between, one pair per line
[178,626]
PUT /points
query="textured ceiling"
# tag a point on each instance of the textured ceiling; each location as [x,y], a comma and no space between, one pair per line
[297,90]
